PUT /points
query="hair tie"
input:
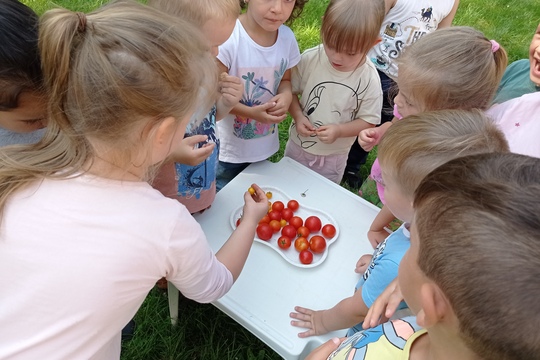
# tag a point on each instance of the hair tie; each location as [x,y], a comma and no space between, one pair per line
[494,45]
[82,21]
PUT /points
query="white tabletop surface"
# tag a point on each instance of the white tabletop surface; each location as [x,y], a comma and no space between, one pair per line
[269,287]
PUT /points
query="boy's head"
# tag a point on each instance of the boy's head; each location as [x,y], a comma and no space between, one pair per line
[534,57]
[472,270]
[349,29]
[22,101]
[215,18]
[418,144]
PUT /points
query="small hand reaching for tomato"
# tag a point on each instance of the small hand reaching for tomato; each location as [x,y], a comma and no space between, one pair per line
[309,319]
[255,205]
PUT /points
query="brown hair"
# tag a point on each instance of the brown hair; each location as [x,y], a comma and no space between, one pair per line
[297,10]
[452,68]
[352,25]
[198,11]
[110,80]
[414,146]
[478,224]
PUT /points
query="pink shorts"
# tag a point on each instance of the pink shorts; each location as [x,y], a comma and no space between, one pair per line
[331,167]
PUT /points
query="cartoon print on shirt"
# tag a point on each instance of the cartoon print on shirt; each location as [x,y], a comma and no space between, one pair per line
[258,91]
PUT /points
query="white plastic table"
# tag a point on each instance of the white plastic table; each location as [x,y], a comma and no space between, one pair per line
[269,287]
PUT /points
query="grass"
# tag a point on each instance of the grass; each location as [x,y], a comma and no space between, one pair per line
[204,332]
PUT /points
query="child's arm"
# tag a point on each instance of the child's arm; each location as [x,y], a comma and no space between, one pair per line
[384,306]
[303,125]
[370,137]
[231,90]
[347,313]
[330,133]
[447,21]
[376,233]
[283,97]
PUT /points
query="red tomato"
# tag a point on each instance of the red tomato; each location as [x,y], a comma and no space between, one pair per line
[296,221]
[329,231]
[317,244]
[265,220]
[306,257]
[293,205]
[238,221]
[303,231]
[284,242]
[313,223]
[278,206]
[274,215]
[276,225]
[289,231]
[265,231]
[287,214]
[301,244]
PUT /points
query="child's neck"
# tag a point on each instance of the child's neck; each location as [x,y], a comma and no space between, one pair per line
[257,33]
[439,344]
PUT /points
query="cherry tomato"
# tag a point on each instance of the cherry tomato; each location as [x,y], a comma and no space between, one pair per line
[293,205]
[303,231]
[306,257]
[296,221]
[278,206]
[283,222]
[274,215]
[238,221]
[265,231]
[287,214]
[284,242]
[329,231]
[251,190]
[269,194]
[317,244]
[276,225]
[265,220]
[301,244]
[313,223]
[289,231]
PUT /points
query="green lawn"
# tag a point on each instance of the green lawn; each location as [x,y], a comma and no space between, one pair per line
[203,332]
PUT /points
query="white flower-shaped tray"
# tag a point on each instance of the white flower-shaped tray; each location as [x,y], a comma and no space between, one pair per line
[291,254]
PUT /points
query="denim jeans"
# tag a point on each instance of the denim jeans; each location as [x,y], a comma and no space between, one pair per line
[228,171]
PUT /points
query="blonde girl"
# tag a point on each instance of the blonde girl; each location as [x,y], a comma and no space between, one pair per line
[451,68]
[339,87]
[82,230]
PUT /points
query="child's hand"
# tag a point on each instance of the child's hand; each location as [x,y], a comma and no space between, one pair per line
[384,306]
[368,138]
[309,319]
[304,126]
[231,89]
[260,114]
[186,153]
[282,102]
[376,237]
[255,206]
[363,263]
[324,351]
[328,133]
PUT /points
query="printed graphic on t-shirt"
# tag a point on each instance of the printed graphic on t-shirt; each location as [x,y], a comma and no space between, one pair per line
[259,87]
[195,179]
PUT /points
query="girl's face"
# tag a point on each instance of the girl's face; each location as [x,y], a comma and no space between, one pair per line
[344,61]
[405,105]
[270,14]
[534,57]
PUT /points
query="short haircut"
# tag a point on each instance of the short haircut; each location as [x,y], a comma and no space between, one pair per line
[452,68]
[20,68]
[414,146]
[199,11]
[352,25]
[478,224]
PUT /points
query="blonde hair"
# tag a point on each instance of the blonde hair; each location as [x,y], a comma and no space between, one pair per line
[199,11]
[478,225]
[416,145]
[352,25]
[452,68]
[110,79]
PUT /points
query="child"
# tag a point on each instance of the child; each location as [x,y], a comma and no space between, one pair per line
[469,274]
[405,22]
[522,76]
[340,91]
[437,73]
[261,51]
[81,228]
[23,104]
[191,177]
[408,152]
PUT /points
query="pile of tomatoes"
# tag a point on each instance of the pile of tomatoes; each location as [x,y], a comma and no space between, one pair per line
[294,229]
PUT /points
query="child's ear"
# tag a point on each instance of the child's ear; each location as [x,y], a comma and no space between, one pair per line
[165,130]
[434,305]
